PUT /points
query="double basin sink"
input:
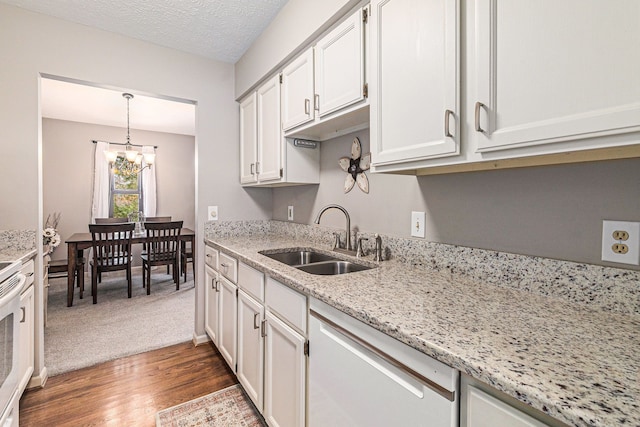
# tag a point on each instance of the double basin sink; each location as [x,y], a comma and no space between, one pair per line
[314,262]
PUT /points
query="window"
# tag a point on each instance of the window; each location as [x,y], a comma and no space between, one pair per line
[125,194]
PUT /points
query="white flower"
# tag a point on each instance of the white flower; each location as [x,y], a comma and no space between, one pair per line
[55,240]
[49,232]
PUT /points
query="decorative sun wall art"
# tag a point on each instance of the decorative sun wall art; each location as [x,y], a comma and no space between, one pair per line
[355,166]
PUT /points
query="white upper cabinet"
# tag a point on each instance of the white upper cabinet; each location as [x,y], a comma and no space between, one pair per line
[269,131]
[550,72]
[415,111]
[248,139]
[297,91]
[339,66]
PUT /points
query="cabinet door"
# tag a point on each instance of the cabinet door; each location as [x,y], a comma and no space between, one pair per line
[212,310]
[414,90]
[269,131]
[339,66]
[26,362]
[552,72]
[248,139]
[285,375]
[297,91]
[250,371]
[483,410]
[227,319]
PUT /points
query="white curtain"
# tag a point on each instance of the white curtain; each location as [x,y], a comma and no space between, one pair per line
[100,204]
[148,185]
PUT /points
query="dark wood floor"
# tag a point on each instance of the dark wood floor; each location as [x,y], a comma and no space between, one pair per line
[127,391]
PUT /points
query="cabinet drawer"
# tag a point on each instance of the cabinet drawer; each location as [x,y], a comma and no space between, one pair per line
[211,257]
[228,267]
[290,305]
[251,281]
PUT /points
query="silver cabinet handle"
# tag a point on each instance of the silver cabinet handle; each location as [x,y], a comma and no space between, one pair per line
[477,116]
[217,285]
[263,330]
[252,172]
[257,168]
[256,320]
[306,105]
[213,284]
[24,314]
[316,102]
[447,114]
[208,255]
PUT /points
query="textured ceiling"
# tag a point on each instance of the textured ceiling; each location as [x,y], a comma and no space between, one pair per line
[217,29]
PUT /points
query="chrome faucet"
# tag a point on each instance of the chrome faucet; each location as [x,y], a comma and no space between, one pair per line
[346,214]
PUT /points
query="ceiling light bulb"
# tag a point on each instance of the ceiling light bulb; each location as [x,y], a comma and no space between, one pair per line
[149,158]
[131,155]
[111,155]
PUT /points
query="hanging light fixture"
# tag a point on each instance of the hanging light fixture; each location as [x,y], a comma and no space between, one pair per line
[131,154]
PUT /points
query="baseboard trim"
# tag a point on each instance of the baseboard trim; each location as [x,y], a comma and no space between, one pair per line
[38,381]
[200,339]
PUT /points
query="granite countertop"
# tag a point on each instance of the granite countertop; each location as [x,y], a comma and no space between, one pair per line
[576,363]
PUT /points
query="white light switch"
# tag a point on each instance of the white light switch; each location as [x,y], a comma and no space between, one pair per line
[417,224]
[290,213]
[212,213]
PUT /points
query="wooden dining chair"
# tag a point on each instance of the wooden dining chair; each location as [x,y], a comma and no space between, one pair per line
[186,255]
[111,245]
[162,249]
[116,220]
[155,219]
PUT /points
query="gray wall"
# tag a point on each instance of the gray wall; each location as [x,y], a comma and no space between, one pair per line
[550,211]
[67,166]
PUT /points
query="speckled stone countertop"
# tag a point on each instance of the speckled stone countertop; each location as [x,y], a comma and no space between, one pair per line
[579,364]
[17,245]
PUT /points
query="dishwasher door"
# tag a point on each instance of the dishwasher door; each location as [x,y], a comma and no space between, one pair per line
[354,383]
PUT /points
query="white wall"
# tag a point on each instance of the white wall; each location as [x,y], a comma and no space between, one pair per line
[549,211]
[67,164]
[32,44]
[298,22]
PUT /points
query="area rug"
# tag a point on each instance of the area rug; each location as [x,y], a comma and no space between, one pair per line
[229,407]
[87,334]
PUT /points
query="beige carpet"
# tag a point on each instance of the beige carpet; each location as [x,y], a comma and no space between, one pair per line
[87,334]
[225,408]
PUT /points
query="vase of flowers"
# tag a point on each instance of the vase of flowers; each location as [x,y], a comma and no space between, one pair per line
[50,236]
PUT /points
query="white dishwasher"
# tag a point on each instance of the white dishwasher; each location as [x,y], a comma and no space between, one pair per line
[359,376]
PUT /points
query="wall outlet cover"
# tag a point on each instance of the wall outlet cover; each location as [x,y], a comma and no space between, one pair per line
[417,224]
[212,214]
[621,242]
[290,213]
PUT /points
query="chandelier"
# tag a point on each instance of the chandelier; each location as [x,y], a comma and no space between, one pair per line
[132,162]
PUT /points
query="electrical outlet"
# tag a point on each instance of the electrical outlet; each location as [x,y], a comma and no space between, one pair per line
[212,213]
[621,242]
[417,224]
[290,213]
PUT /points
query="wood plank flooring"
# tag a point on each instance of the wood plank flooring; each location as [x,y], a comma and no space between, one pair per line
[127,391]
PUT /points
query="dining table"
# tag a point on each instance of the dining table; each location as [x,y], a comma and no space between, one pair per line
[78,242]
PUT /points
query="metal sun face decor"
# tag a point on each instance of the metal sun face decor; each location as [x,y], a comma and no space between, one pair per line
[355,166]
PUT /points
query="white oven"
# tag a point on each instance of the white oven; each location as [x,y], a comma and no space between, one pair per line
[11,283]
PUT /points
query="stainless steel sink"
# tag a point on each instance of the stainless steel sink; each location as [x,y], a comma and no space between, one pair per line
[298,257]
[333,267]
[314,262]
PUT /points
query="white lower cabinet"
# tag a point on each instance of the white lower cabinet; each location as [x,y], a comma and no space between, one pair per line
[250,371]
[26,337]
[285,374]
[212,303]
[484,406]
[227,329]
